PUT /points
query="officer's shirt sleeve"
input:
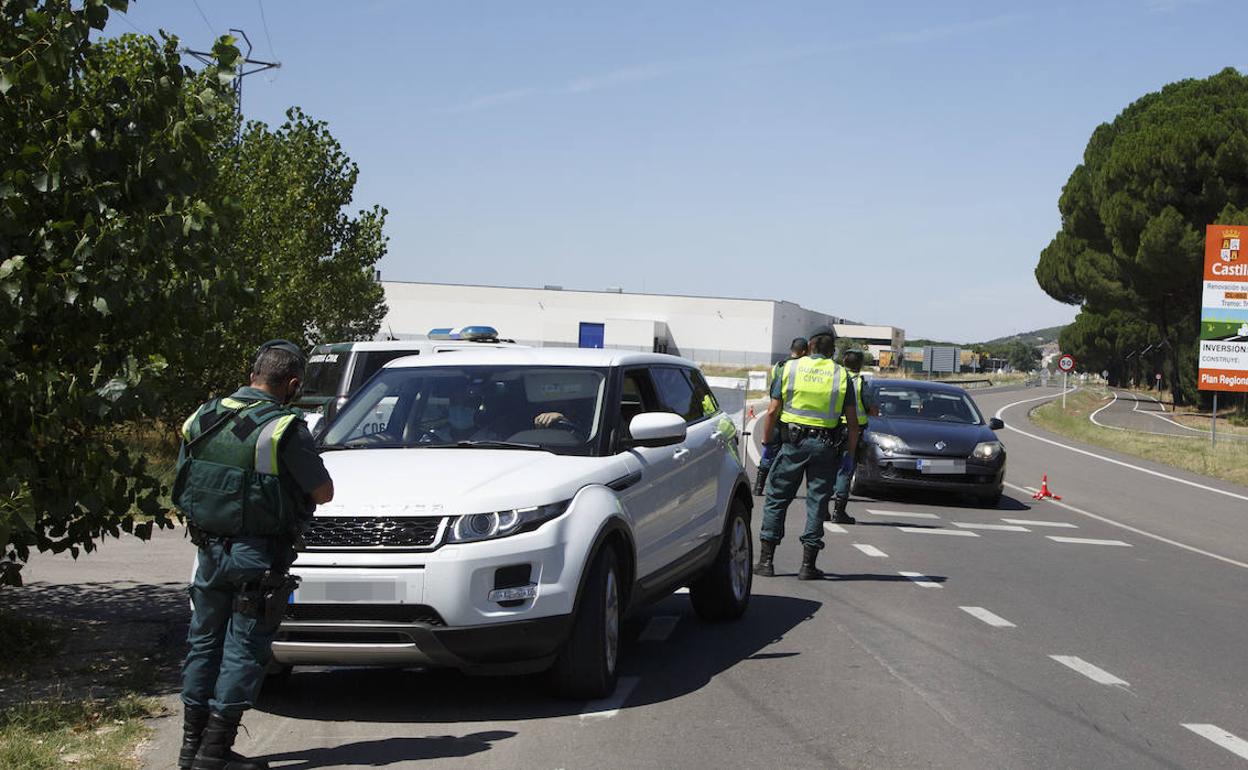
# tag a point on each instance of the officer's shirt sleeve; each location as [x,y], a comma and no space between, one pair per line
[777,384]
[849,397]
[300,458]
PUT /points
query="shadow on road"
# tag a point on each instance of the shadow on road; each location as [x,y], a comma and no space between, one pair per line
[684,663]
[389,751]
[945,499]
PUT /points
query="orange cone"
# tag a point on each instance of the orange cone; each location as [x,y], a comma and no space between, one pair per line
[751,415]
[1044,491]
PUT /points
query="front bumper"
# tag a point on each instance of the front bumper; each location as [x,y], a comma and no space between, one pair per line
[901,471]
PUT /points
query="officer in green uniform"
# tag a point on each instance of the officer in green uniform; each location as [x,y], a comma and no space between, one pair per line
[798,348]
[852,359]
[809,397]
[248,481]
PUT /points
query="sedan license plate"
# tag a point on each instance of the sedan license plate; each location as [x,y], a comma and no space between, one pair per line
[948,467]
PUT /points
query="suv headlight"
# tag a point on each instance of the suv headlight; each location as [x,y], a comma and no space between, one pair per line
[487,526]
[888,444]
[987,450]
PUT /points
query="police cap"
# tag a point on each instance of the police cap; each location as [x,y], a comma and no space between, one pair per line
[822,331]
[283,345]
[853,355]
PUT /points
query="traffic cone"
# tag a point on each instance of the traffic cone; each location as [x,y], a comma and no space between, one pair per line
[1044,491]
[751,415]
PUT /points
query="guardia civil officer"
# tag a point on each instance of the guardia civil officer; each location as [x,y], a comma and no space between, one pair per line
[248,481]
[798,348]
[809,397]
[852,359]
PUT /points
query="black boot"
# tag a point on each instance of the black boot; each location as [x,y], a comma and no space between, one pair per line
[766,557]
[760,481]
[839,516]
[214,749]
[809,571]
[194,719]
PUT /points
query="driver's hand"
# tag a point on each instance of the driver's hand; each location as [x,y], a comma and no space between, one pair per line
[547,419]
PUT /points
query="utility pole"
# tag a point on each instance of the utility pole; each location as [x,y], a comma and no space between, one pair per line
[256,65]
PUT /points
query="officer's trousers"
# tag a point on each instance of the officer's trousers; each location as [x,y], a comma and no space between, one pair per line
[229,649]
[817,461]
[843,477]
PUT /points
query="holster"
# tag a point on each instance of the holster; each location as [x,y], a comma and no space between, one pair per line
[266,598]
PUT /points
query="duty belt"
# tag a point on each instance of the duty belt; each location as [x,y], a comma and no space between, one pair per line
[801,432]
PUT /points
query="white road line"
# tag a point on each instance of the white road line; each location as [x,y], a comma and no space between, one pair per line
[926,531]
[659,628]
[1032,490]
[750,449]
[920,579]
[871,550]
[683,590]
[992,527]
[1092,416]
[991,618]
[1231,743]
[610,705]
[1142,532]
[833,529]
[1098,675]
[1038,523]
[1149,471]
[1086,541]
[903,514]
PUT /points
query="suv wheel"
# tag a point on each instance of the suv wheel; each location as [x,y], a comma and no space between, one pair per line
[587,668]
[723,592]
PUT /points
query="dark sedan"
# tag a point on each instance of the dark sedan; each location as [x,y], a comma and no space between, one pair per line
[930,436]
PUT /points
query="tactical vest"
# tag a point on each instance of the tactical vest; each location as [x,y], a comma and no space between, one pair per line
[814,392]
[229,480]
[858,404]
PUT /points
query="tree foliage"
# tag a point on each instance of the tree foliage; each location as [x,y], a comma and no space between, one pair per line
[1021,356]
[1130,249]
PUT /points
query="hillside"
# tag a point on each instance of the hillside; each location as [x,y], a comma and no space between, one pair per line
[1037,338]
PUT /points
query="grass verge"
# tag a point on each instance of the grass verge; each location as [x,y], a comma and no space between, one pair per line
[84,733]
[1229,461]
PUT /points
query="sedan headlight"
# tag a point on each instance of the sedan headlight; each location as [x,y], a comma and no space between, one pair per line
[487,526]
[888,444]
[987,450]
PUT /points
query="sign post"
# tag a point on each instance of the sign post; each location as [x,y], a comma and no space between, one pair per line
[1224,316]
[1067,364]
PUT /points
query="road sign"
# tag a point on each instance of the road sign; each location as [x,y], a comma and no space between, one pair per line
[1157,376]
[1066,363]
[1224,311]
[1105,375]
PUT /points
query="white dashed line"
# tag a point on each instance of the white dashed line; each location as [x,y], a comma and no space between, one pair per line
[659,628]
[991,618]
[871,550]
[610,705]
[903,514]
[833,529]
[992,527]
[1086,541]
[1035,523]
[1231,743]
[920,579]
[925,531]
[683,590]
[1098,675]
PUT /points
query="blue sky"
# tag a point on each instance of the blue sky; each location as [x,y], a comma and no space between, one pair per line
[890,162]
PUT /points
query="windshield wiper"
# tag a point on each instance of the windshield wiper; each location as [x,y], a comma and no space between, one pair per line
[494,444]
[333,447]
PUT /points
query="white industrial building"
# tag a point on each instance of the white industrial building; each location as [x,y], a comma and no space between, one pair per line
[709,330]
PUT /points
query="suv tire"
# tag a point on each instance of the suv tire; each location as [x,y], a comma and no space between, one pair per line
[723,591]
[588,666]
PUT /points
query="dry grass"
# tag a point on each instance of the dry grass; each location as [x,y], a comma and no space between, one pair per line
[1229,461]
[102,735]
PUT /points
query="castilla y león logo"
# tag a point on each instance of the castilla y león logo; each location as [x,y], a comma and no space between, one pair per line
[1230,245]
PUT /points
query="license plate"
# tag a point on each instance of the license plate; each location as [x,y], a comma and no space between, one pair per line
[348,591]
[949,467]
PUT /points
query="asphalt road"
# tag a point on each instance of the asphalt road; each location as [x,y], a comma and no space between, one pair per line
[1145,414]
[948,636]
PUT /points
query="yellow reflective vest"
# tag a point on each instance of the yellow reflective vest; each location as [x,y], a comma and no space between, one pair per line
[858,381]
[813,391]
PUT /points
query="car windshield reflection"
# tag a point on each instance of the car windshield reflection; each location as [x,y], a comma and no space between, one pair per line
[917,403]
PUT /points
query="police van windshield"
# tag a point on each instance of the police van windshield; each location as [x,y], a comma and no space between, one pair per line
[324,372]
[556,409]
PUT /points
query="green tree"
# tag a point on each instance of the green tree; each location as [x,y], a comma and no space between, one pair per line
[106,233]
[1021,356]
[1134,213]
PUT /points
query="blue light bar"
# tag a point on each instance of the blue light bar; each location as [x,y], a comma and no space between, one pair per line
[470,333]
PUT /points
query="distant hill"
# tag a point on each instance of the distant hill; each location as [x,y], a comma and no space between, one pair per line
[1037,338]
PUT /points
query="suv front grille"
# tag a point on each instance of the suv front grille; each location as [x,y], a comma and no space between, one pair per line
[395,613]
[372,532]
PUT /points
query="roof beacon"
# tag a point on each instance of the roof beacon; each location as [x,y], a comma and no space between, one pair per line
[470,333]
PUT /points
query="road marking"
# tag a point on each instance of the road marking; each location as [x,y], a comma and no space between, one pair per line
[920,579]
[610,705]
[1098,675]
[1142,532]
[750,449]
[926,531]
[992,527]
[903,514]
[1038,523]
[682,590]
[659,628]
[1231,743]
[1149,471]
[871,550]
[991,618]
[834,529]
[1086,541]
[1092,416]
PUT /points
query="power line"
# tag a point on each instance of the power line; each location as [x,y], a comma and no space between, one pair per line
[257,65]
[204,16]
[131,24]
[265,23]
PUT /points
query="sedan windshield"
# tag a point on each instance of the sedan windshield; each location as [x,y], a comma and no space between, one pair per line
[918,403]
[556,409]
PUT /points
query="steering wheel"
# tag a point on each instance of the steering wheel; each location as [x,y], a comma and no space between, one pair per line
[563,423]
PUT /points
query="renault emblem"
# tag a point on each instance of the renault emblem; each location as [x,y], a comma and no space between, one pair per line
[941,445]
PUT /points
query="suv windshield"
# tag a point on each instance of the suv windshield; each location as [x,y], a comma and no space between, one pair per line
[902,402]
[324,372]
[557,409]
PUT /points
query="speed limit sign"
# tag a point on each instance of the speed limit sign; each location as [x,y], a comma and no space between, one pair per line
[1066,363]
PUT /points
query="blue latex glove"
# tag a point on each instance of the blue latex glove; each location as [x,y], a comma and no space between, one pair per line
[847,463]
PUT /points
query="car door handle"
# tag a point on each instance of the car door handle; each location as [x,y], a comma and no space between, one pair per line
[680,454]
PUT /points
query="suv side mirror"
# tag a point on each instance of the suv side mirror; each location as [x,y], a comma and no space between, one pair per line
[996,423]
[656,429]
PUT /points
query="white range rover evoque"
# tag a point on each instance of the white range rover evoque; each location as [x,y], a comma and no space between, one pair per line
[503,512]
